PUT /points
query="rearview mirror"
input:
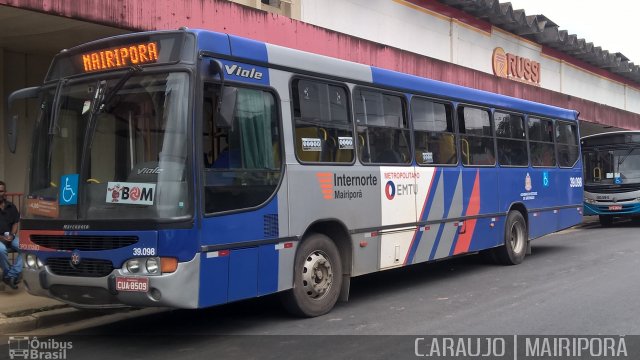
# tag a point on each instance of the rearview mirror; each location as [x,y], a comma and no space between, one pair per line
[227,107]
[12,119]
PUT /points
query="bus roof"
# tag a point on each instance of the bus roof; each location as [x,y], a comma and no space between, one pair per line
[612,139]
[270,54]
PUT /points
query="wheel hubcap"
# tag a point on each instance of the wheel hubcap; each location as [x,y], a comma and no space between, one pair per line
[317,275]
[517,237]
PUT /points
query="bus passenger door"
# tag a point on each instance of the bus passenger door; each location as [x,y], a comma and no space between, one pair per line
[398,204]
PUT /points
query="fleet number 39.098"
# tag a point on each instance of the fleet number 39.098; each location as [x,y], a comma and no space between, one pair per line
[144,251]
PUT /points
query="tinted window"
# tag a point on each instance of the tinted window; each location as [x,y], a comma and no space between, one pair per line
[383,134]
[323,130]
[242,157]
[476,141]
[541,145]
[512,144]
[567,140]
[433,132]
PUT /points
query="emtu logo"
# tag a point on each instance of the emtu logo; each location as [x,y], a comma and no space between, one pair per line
[390,190]
[326,184]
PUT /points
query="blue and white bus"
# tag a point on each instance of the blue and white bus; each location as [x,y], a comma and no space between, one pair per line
[612,175]
[191,168]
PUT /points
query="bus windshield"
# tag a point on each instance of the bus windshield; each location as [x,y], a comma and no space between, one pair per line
[112,149]
[612,166]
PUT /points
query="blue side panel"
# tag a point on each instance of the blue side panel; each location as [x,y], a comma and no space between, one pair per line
[542,223]
[488,190]
[212,41]
[485,236]
[214,280]
[512,183]
[243,274]
[248,49]
[267,269]
[569,217]
[442,89]
[241,227]
[182,244]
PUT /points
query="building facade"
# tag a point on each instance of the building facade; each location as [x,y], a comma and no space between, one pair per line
[478,43]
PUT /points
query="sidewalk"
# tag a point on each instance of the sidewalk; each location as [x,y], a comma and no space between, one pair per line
[21,311]
[14,301]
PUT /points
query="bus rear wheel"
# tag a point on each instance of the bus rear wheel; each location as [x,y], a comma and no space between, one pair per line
[515,240]
[317,278]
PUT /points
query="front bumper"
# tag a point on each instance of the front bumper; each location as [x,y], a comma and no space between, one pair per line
[178,289]
[626,209]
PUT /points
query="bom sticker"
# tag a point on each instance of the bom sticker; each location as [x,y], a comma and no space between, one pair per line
[130,193]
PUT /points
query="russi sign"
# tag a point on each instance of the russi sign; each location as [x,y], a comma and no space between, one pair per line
[515,67]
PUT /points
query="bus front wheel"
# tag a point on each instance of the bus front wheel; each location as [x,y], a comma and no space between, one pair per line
[317,277]
[515,240]
[605,220]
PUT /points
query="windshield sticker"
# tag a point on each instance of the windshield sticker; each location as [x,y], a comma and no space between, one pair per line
[427,157]
[345,143]
[130,193]
[68,189]
[311,144]
[40,206]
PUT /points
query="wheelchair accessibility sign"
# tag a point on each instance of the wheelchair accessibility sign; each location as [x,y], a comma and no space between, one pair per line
[68,189]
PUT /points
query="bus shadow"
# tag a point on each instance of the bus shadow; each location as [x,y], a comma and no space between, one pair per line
[258,314]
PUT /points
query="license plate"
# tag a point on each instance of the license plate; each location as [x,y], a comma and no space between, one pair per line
[138,284]
[615,207]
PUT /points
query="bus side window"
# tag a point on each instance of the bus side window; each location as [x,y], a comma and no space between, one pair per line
[383,130]
[512,142]
[541,144]
[323,130]
[242,157]
[567,142]
[433,131]
[476,136]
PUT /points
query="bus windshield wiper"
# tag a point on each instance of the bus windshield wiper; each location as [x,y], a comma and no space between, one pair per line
[622,159]
[103,104]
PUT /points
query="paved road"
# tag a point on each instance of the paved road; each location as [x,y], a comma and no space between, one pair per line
[580,281]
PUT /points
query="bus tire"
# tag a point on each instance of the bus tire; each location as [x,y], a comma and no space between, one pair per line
[605,220]
[516,238]
[317,277]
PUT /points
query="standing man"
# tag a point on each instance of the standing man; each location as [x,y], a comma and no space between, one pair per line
[9,219]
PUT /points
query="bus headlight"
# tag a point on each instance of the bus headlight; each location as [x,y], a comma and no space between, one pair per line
[39,263]
[152,265]
[31,261]
[589,201]
[133,266]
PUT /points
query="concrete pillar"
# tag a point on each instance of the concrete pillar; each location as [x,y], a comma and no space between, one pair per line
[3,133]
[20,70]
